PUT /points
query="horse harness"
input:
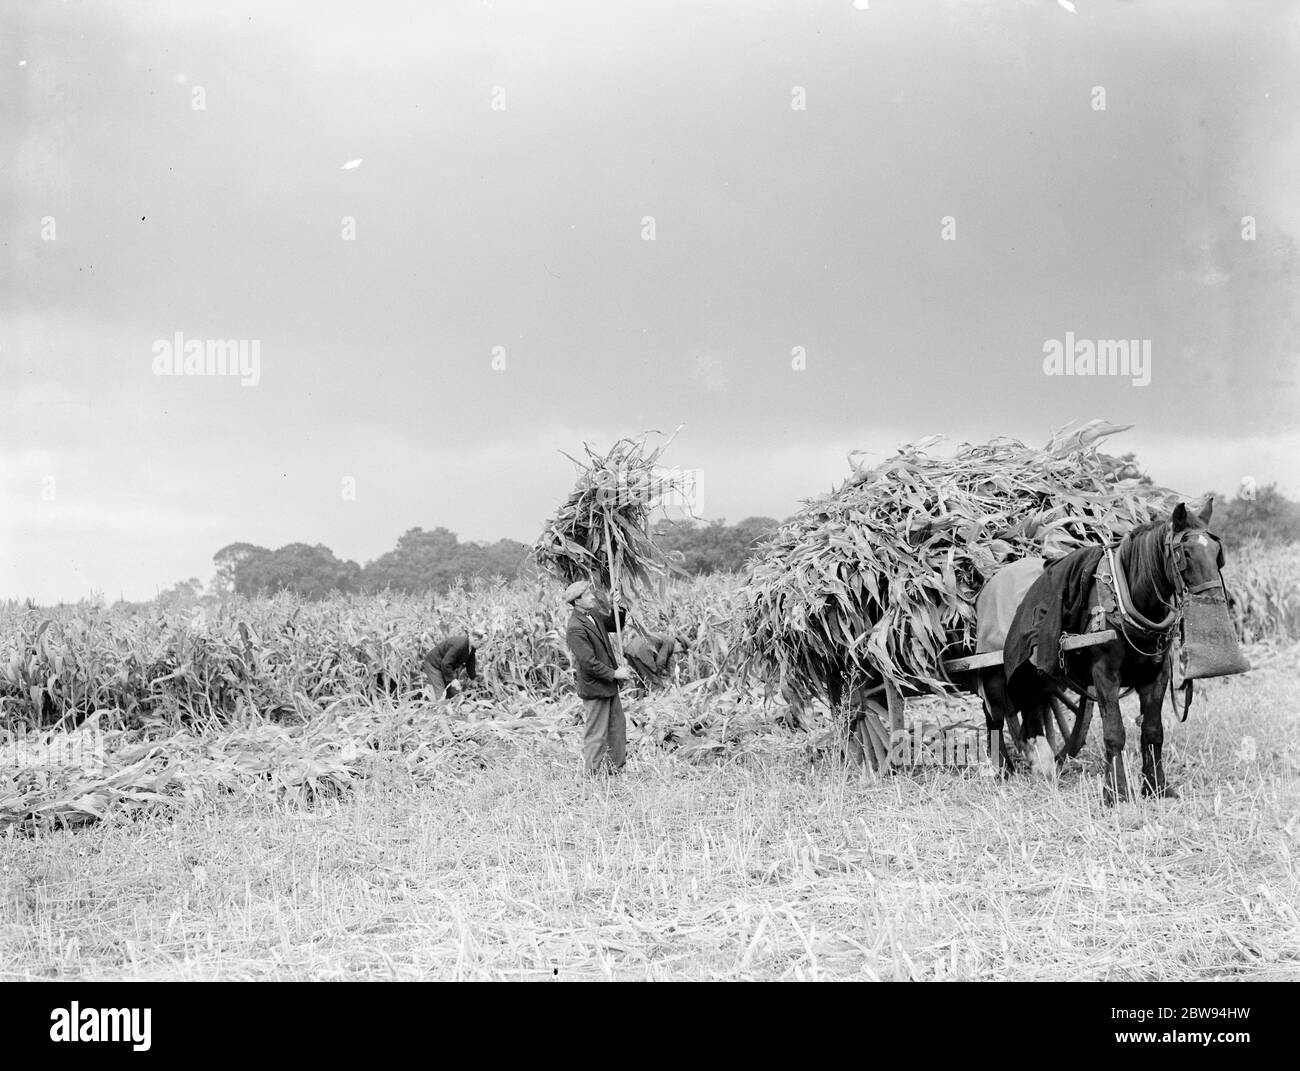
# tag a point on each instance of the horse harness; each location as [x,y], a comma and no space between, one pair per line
[1114,606]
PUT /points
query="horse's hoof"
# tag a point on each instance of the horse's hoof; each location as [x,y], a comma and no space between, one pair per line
[1042,761]
[1110,797]
[1161,792]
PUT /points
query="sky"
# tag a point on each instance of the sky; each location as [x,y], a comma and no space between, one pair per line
[907,199]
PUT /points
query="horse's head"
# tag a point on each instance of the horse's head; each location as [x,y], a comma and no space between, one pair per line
[1196,552]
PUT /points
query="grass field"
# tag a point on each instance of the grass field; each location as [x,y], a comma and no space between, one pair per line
[737,862]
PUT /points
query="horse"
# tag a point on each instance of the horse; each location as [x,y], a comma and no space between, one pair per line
[1141,591]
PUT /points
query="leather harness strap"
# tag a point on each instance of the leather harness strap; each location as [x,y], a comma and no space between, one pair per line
[1116,603]
[1125,616]
[1187,696]
[1113,607]
[1124,598]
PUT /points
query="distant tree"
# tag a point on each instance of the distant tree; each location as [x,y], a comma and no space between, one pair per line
[185,593]
[505,558]
[432,561]
[227,560]
[1268,516]
[753,530]
[416,563]
[312,572]
[713,546]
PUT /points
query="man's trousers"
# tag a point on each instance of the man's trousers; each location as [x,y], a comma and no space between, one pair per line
[604,739]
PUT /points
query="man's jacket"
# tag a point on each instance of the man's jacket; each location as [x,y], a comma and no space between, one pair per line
[449,655]
[593,654]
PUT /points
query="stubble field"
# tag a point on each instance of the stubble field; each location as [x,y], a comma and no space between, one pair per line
[753,852]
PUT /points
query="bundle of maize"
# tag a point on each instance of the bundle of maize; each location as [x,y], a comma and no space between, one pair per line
[601,532]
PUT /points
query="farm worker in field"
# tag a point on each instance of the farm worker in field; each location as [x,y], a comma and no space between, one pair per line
[445,660]
[598,677]
[651,656]
[794,709]
[792,716]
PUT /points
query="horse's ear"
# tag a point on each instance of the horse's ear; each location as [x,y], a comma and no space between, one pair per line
[1180,517]
[1207,509]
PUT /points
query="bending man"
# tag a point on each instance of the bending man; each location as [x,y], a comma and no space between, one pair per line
[651,656]
[445,660]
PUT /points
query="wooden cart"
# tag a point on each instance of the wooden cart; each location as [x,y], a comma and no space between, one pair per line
[1066,732]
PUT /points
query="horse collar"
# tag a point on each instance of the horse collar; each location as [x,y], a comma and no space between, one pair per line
[1129,614]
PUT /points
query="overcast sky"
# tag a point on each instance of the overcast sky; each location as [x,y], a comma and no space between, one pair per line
[522,227]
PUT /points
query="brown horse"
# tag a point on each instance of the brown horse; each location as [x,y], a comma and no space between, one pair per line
[1145,583]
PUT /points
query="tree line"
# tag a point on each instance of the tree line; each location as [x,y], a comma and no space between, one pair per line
[432,561]
[1265,515]
[422,561]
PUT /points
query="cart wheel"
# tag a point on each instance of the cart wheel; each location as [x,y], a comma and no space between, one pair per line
[1073,715]
[1066,730]
[1013,733]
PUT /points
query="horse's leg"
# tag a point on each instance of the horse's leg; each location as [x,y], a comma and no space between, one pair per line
[1106,663]
[1153,736]
[1041,760]
[993,690]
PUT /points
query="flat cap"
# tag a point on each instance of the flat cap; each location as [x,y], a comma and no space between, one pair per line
[575,589]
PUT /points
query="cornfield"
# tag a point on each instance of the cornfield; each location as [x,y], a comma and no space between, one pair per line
[284,658]
[107,711]
[287,658]
[1264,583]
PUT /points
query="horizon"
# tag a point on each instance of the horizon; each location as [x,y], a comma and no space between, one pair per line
[207,581]
[425,233]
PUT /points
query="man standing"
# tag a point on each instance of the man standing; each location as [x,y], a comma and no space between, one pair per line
[446,659]
[598,676]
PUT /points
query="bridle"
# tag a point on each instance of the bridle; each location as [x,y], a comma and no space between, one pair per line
[1127,619]
[1174,564]
[1176,557]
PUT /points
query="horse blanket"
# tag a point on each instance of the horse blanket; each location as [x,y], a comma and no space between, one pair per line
[1056,602]
[999,599]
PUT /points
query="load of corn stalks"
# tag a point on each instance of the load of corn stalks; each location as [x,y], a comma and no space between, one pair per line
[601,532]
[879,578]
